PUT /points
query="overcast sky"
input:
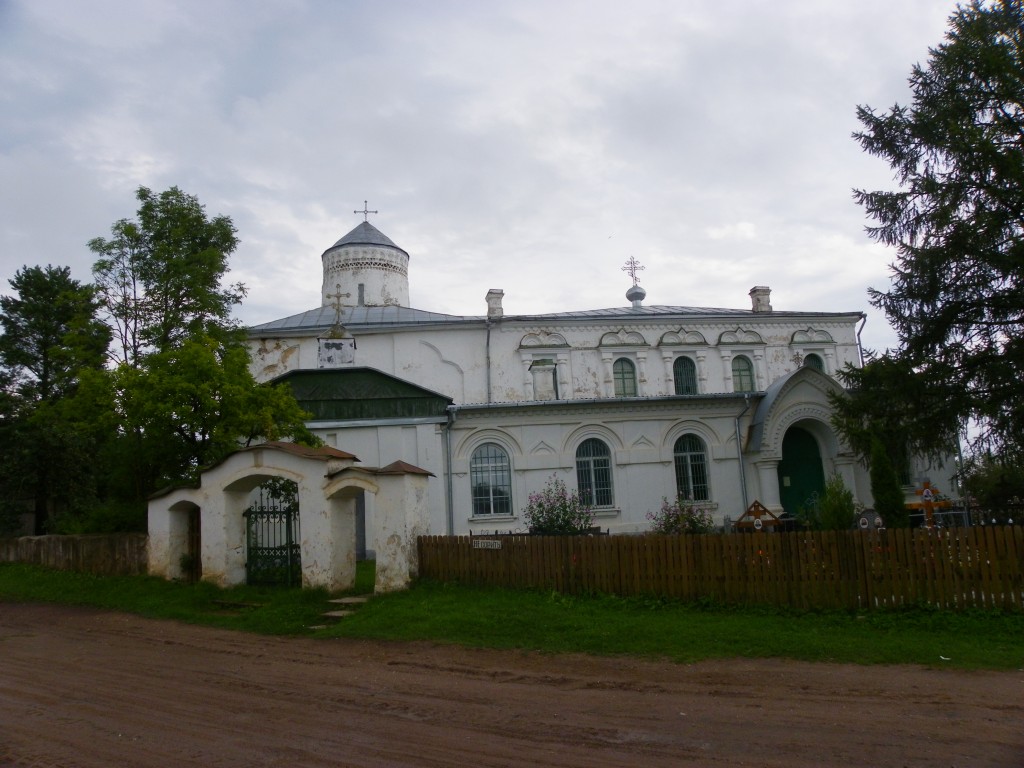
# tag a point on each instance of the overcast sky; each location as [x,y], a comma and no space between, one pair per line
[528,146]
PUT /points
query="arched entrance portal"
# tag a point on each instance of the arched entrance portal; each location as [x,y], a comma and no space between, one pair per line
[801,474]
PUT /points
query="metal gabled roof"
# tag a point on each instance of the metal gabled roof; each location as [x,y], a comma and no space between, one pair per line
[369,318]
[322,318]
[663,310]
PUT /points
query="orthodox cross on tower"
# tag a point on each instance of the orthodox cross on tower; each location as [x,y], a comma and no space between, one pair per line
[366,212]
[633,266]
[337,296]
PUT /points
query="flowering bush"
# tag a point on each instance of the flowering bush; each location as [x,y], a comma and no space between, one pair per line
[555,510]
[681,516]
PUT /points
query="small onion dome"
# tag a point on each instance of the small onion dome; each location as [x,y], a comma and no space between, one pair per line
[636,294]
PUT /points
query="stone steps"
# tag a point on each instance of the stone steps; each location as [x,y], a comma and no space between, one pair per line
[351,604]
[354,600]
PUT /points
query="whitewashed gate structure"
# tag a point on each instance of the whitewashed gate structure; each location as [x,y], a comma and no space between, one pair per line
[329,482]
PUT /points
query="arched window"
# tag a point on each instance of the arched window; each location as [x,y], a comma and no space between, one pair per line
[594,473]
[684,373]
[742,374]
[625,378]
[813,361]
[691,469]
[490,477]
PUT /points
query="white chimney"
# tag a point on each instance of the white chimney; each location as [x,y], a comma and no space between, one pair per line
[759,298]
[494,297]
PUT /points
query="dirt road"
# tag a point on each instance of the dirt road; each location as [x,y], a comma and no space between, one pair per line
[87,688]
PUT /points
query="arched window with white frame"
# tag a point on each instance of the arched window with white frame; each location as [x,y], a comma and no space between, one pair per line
[684,376]
[742,374]
[594,473]
[490,478]
[691,461]
[624,374]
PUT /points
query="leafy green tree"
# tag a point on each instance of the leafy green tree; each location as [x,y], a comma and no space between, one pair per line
[87,443]
[51,339]
[160,276]
[886,490]
[13,500]
[181,392]
[51,332]
[956,220]
[995,483]
[193,404]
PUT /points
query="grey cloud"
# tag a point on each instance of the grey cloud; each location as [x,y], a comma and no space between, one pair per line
[523,145]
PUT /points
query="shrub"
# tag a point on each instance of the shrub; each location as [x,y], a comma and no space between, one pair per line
[107,517]
[681,516]
[833,510]
[10,518]
[886,490]
[836,510]
[555,510]
[995,482]
[808,514]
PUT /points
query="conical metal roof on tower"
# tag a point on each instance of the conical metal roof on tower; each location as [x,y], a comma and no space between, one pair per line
[366,234]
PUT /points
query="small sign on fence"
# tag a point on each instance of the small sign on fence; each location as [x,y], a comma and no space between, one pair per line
[486,543]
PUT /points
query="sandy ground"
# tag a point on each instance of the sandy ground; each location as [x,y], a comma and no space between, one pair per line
[87,688]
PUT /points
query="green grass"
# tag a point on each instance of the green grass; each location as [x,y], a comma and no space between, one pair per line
[553,623]
[685,633]
[266,610]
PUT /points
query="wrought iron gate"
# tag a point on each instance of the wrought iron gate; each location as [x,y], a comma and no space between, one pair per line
[273,543]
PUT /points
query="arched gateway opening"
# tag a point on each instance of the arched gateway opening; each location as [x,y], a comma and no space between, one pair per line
[273,551]
[801,473]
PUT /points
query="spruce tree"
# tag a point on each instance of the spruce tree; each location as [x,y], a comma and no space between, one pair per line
[956,222]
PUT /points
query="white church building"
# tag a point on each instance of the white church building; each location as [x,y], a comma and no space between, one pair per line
[629,405]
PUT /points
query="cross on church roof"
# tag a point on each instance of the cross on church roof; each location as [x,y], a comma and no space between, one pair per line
[366,211]
[633,266]
[338,296]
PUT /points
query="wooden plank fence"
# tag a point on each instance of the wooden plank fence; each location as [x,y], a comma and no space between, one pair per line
[980,567]
[114,554]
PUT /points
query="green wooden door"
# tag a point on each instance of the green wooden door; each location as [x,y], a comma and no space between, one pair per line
[801,476]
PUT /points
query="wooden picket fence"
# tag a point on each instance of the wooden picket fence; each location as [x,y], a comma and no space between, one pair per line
[957,568]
